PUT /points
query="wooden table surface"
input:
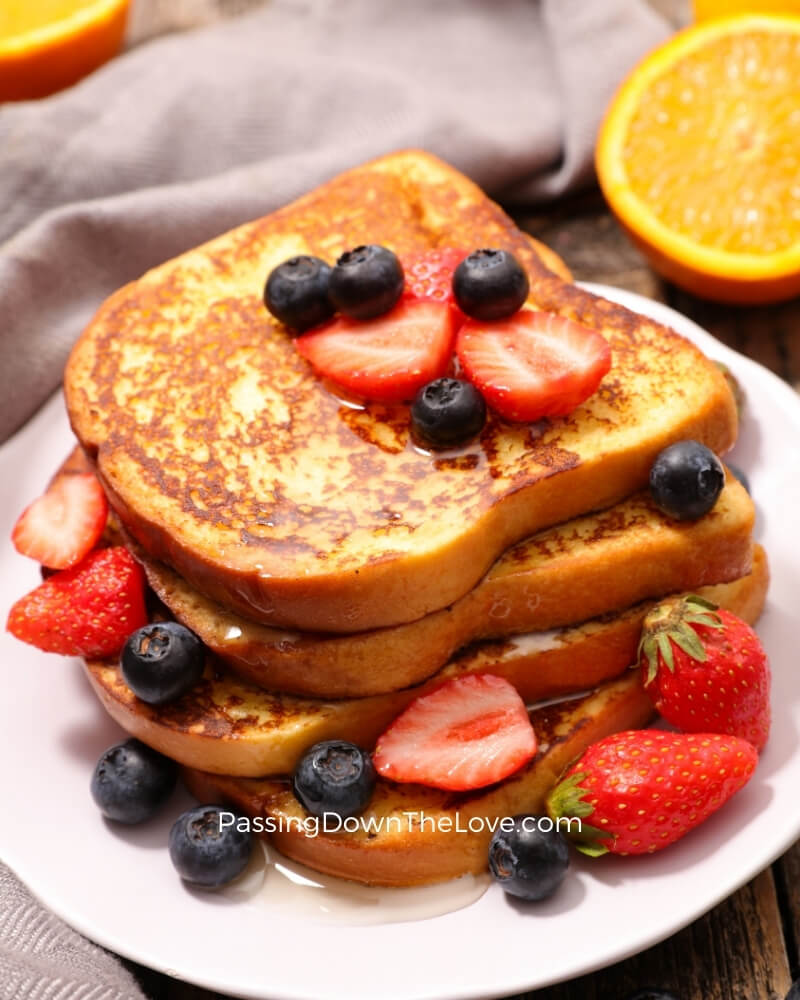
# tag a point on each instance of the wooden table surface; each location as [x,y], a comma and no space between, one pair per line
[748,948]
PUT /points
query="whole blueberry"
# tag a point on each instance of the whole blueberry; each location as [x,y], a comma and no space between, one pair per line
[161,661]
[334,777]
[490,284]
[296,292]
[529,860]
[685,480]
[366,282]
[210,845]
[447,411]
[131,782]
[794,991]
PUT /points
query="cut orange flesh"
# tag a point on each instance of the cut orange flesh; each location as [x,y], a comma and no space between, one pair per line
[699,157]
[46,45]
[704,10]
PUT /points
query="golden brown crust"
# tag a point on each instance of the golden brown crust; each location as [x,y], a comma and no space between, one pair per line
[392,853]
[229,726]
[589,566]
[226,458]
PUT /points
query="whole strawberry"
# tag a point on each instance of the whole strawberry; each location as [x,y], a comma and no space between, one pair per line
[706,670]
[88,610]
[639,791]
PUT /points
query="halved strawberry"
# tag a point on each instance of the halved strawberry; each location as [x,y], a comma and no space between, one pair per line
[88,610]
[534,364]
[388,358]
[429,274]
[64,524]
[468,733]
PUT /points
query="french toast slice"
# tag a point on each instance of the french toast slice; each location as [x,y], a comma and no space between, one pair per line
[230,726]
[413,835]
[589,566]
[228,459]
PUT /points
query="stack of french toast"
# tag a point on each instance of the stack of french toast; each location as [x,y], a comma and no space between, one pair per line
[335,570]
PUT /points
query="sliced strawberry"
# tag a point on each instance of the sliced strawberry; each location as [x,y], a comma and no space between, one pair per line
[468,733]
[385,359]
[88,610]
[64,524]
[534,364]
[429,274]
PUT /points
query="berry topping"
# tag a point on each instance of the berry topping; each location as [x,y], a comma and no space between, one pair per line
[469,732]
[88,610]
[334,777]
[528,861]
[386,359]
[209,847]
[296,292]
[686,479]
[366,282]
[161,661]
[706,670]
[429,274]
[131,782]
[639,791]
[490,285]
[533,365]
[64,524]
[447,412]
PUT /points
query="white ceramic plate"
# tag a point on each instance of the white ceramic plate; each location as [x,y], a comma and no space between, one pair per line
[118,887]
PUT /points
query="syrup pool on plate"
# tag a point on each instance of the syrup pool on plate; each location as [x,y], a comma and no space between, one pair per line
[279,883]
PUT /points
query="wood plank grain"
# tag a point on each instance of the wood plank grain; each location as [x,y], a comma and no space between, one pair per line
[787,883]
[767,334]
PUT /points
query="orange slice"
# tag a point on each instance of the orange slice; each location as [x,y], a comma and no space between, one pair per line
[699,158]
[46,45]
[704,10]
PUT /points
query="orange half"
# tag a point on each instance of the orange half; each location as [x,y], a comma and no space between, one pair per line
[46,45]
[699,158]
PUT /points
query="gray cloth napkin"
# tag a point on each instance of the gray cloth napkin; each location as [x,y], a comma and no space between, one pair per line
[43,959]
[190,134]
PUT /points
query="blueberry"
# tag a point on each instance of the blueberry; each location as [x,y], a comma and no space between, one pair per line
[490,285]
[446,412]
[366,282]
[131,781]
[740,475]
[794,991]
[334,777]
[296,292]
[686,479]
[528,861]
[161,661]
[209,846]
